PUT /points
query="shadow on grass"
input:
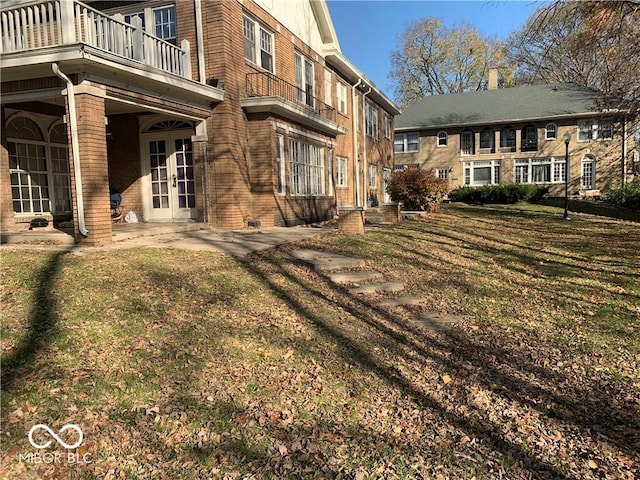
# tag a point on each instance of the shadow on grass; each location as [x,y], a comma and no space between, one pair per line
[43,319]
[593,208]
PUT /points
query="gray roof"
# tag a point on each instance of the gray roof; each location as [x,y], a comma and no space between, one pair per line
[504,105]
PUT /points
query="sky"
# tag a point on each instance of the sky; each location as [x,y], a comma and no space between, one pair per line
[368,30]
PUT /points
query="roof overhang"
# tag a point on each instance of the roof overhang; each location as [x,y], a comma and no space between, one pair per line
[325,24]
[337,60]
[506,121]
[279,106]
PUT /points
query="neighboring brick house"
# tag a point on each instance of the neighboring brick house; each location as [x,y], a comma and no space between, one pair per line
[227,112]
[516,135]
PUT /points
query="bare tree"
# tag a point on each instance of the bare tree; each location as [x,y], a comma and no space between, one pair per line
[592,43]
[434,60]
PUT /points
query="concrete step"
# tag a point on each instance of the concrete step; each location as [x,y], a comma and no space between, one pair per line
[402,301]
[355,278]
[327,264]
[52,237]
[378,287]
[307,255]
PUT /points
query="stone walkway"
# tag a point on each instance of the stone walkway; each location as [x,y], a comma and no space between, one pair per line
[348,271]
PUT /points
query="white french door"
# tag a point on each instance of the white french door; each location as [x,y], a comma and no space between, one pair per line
[168,169]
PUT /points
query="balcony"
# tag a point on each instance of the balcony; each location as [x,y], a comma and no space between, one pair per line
[42,27]
[266,93]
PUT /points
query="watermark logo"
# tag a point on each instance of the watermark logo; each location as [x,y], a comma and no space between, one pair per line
[56,457]
[69,426]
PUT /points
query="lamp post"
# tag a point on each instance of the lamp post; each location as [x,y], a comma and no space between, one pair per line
[567,139]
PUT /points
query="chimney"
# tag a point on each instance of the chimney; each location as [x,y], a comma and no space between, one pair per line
[492,84]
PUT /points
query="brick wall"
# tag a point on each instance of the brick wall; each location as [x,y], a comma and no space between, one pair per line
[123,152]
[90,111]
[7,222]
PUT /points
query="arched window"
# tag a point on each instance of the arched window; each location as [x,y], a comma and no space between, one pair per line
[442,139]
[550,131]
[27,166]
[487,141]
[167,125]
[508,139]
[25,129]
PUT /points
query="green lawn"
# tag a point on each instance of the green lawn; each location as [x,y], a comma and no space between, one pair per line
[184,365]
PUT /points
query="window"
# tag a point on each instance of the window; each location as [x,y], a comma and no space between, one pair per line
[342,97]
[307,168]
[442,139]
[165,21]
[482,173]
[304,79]
[387,126]
[282,189]
[371,119]
[406,142]
[550,131]
[258,48]
[386,178]
[467,143]
[341,173]
[38,169]
[328,90]
[588,177]
[529,139]
[540,170]
[595,130]
[373,173]
[442,173]
[508,139]
[487,141]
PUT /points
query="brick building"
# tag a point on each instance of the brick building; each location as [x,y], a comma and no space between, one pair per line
[517,135]
[218,111]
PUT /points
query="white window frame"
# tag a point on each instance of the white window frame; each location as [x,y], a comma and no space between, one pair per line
[387,127]
[341,93]
[166,28]
[470,167]
[402,140]
[551,131]
[527,169]
[373,174]
[442,139]
[595,130]
[328,87]
[58,180]
[258,39]
[442,173]
[307,172]
[590,162]
[281,164]
[371,119]
[342,180]
[305,79]
[467,142]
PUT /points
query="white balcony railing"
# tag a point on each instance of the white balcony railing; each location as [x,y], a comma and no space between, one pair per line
[34,25]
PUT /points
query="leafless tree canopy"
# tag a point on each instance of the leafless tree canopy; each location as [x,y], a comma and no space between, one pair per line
[433,60]
[592,43]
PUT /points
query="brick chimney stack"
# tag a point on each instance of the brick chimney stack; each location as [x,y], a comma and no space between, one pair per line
[492,84]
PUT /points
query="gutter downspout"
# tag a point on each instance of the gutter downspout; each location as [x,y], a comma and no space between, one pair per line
[365,173]
[355,140]
[202,77]
[75,147]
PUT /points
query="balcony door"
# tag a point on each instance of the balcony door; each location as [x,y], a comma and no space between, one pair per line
[168,169]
